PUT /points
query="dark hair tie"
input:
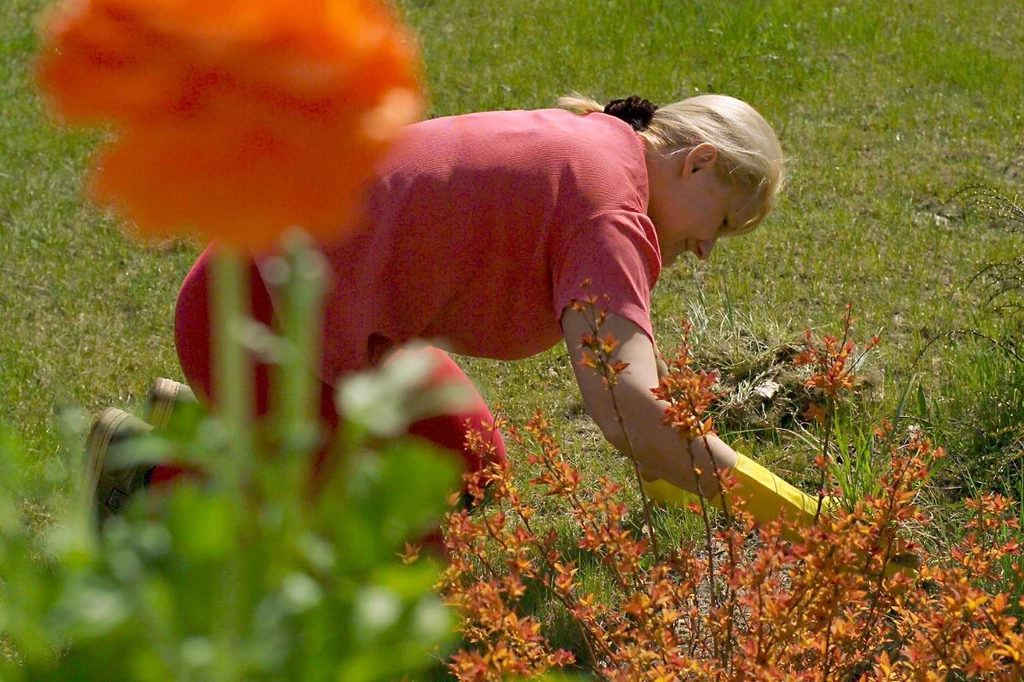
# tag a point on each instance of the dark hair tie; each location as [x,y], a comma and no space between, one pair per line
[634,110]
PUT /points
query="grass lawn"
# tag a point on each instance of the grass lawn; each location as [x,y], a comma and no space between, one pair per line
[884,108]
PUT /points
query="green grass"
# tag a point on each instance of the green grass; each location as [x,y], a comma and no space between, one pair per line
[884,109]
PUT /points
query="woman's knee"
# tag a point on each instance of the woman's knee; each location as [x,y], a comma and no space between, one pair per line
[453,431]
[193,330]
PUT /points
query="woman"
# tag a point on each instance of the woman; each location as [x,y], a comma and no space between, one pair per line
[482,230]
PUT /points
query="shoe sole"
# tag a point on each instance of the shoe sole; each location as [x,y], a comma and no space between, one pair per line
[163,396]
[111,489]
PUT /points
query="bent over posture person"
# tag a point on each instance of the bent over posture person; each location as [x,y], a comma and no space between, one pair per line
[482,230]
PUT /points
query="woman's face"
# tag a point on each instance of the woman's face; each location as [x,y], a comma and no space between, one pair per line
[691,202]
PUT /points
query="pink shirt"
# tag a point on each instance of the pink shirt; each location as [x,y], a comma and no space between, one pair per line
[481,230]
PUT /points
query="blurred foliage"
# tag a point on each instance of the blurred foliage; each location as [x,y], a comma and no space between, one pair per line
[232,577]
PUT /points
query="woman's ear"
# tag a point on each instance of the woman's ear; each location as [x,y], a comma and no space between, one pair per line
[703,157]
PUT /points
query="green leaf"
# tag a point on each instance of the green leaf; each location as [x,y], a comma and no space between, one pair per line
[432,621]
[408,493]
[144,449]
[92,608]
[204,526]
[386,400]
[377,609]
[316,551]
[300,592]
[198,653]
[409,582]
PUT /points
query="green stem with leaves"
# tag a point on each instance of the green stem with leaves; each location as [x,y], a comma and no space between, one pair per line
[233,395]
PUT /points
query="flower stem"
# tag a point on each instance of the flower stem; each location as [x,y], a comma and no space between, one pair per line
[300,313]
[232,378]
[233,398]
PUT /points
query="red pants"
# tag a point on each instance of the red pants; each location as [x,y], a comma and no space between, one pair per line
[192,337]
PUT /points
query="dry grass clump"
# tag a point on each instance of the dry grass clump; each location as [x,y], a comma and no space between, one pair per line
[760,390]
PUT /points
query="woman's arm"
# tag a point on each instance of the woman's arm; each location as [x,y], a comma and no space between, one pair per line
[659,450]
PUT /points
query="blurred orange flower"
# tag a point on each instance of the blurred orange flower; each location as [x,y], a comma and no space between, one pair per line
[233,118]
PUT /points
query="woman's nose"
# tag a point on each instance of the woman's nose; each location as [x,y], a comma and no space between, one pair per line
[704,248]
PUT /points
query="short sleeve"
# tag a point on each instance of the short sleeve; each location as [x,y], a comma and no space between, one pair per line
[615,259]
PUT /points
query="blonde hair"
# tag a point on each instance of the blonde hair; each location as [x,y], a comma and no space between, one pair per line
[748,150]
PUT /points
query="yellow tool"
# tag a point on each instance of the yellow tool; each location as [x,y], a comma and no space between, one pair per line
[768,498]
[767,495]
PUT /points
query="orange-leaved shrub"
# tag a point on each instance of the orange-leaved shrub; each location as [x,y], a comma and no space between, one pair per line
[741,603]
